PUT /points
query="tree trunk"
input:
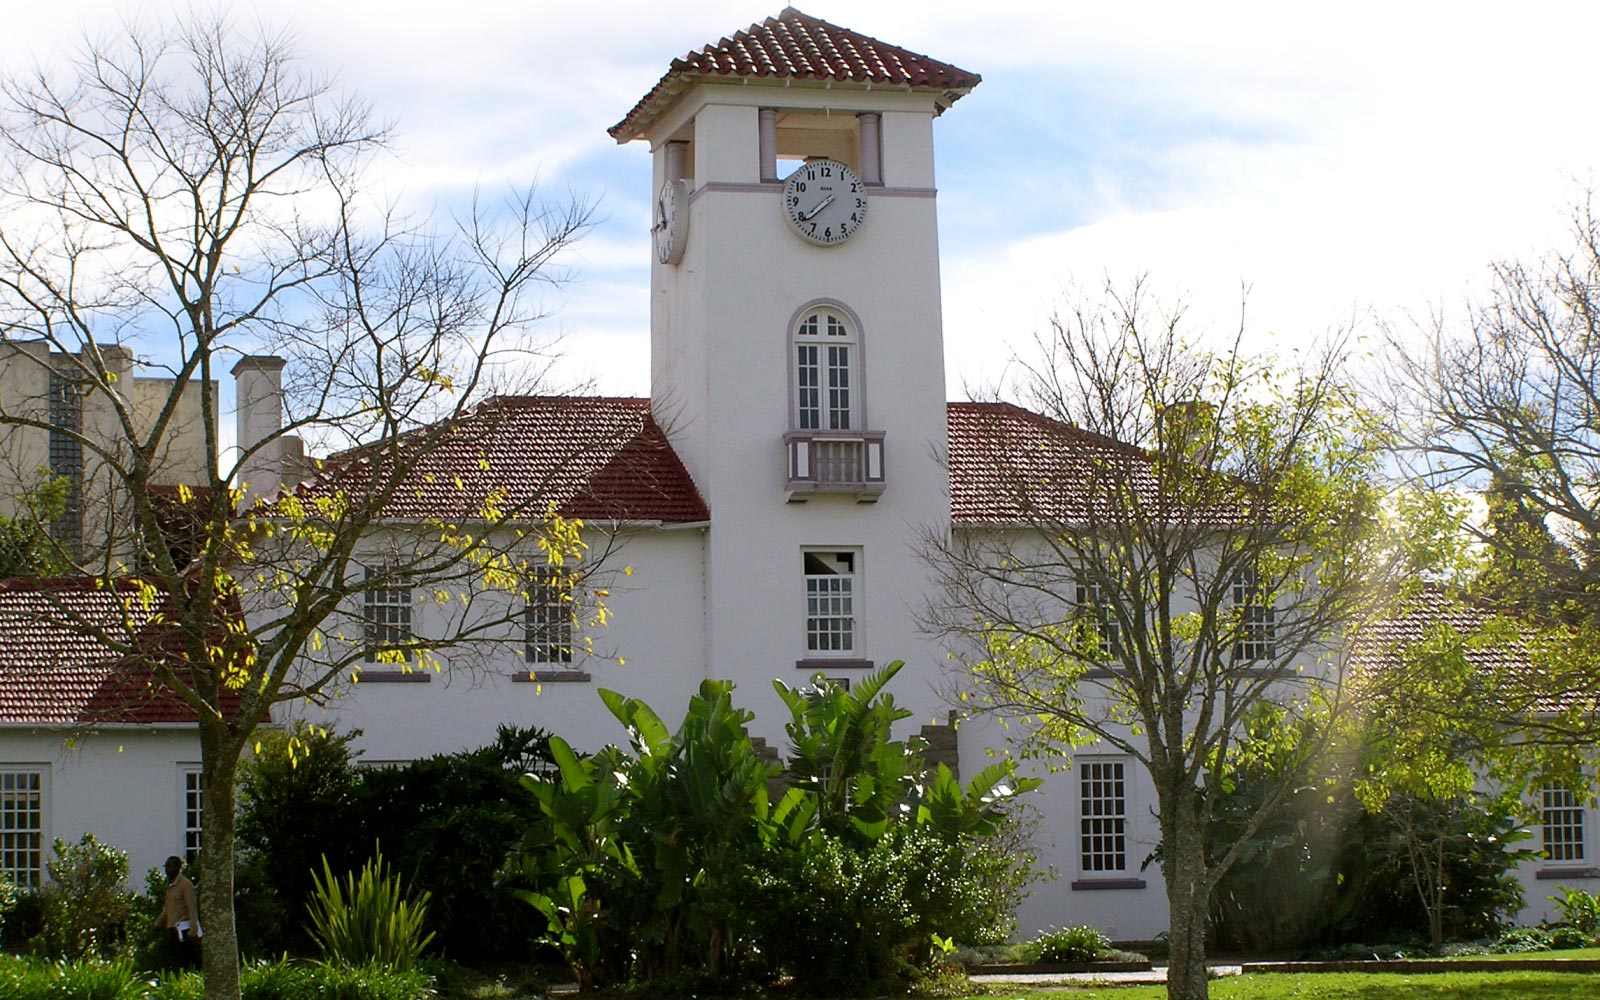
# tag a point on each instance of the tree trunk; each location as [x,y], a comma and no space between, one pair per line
[1439,887]
[1185,871]
[219,757]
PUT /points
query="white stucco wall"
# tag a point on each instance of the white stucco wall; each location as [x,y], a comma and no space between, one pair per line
[124,785]
[653,649]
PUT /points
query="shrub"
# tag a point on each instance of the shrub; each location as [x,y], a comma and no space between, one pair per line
[1067,945]
[298,797]
[86,904]
[32,979]
[8,903]
[447,822]
[368,919]
[1580,910]
[24,922]
[681,863]
[1520,940]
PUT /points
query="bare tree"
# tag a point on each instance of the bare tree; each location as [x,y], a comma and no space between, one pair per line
[1162,561]
[187,201]
[1506,406]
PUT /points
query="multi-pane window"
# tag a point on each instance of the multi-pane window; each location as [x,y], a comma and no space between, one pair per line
[1562,818]
[1255,638]
[830,602]
[547,619]
[386,615]
[22,827]
[193,812]
[1094,607]
[1103,816]
[824,390]
[66,458]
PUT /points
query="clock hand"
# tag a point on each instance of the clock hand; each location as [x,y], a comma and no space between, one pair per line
[824,203]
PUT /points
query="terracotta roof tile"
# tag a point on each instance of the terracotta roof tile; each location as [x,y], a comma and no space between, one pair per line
[595,457]
[1380,645]
[1010,465]
[797,46]
[53,672]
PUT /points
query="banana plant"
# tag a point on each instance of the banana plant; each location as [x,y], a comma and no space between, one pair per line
[842,750]
[942,805]
[699,798]
[577,850]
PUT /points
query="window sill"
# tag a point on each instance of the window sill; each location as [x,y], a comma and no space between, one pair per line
[1552,872]
[1095,884]
[825,664]
[551,677]
[371,675]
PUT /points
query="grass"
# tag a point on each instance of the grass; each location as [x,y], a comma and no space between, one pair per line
[1356,986]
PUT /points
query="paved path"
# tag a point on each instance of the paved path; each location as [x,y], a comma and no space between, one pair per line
[1155,975]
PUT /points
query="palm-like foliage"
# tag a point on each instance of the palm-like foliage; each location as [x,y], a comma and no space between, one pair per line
[367,918]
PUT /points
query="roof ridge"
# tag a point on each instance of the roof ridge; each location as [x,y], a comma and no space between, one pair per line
[797,45]
[1056,424]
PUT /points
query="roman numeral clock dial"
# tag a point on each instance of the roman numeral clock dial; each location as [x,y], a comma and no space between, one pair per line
[825,202]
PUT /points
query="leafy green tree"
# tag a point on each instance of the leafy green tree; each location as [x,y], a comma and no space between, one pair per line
[191,195]
[1525,570]
[299,797]
[1445,715]
[26,548]
[1191,534]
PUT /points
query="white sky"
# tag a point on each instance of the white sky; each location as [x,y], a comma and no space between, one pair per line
[1345,161]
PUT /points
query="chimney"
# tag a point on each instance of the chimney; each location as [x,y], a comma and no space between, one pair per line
[258,401]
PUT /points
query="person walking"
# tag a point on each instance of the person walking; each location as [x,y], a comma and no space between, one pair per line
[180,915]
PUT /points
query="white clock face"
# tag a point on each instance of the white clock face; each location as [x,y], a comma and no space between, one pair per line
[672,222]
[825,202]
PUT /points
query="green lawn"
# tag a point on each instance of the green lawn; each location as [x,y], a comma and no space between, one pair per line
[1357,986]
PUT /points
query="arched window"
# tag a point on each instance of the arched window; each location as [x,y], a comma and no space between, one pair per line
[827,382]
[830,448]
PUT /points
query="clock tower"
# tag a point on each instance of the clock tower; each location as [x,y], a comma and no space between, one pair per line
[797,358]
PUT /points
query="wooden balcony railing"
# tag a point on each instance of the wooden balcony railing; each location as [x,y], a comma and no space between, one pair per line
[837,462]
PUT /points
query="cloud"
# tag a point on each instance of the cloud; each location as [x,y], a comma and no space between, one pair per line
[1368,158]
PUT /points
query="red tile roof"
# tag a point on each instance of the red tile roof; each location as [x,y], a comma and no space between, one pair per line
[1009,465]
[1380,646]
[797,46]
[593,457]
[55,672]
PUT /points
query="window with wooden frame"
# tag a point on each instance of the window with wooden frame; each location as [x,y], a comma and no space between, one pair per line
[1255,630]
[1094,607]
[386,615]
[22,792]
[830,581]
[1561,823]
[1102,817]
[549,616]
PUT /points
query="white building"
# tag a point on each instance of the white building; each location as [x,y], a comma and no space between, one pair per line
[770,497]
